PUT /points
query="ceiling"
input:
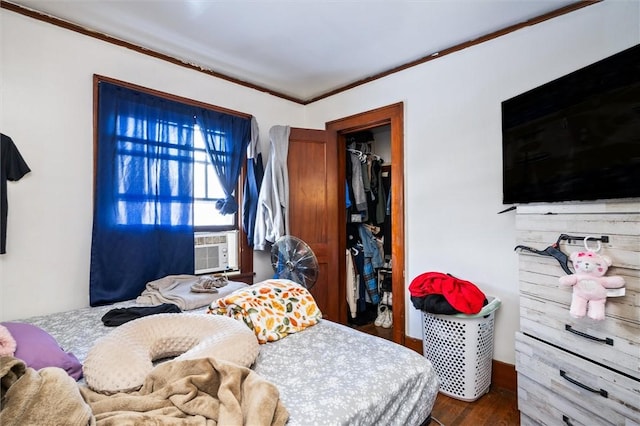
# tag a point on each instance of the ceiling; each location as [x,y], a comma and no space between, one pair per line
[302,49]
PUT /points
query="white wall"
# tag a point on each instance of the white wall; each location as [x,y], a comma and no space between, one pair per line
[452,148]
[47,108]
[453,169]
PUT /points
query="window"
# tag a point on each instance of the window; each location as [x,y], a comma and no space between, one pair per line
[138,162]
[165,169]
[136,203]
[207,190]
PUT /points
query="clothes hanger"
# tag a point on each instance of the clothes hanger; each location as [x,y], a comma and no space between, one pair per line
[361,155]
[554,251]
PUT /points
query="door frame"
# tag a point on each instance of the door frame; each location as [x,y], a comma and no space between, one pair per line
[392,115]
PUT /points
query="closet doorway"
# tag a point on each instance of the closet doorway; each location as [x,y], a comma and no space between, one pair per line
[390,119]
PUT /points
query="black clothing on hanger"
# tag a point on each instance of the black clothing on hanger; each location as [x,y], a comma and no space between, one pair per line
[12,168]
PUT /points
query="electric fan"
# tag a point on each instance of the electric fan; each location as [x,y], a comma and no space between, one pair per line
[293,259]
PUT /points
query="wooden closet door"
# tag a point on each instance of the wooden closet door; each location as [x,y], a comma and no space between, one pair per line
[313,210]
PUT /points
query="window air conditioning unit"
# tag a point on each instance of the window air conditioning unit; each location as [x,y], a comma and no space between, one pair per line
[211,252]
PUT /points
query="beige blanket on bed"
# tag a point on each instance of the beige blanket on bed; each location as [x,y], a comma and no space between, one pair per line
[193,392]
[186,393]
[44,397]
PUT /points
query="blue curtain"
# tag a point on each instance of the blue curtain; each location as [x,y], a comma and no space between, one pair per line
[226,138]
[143,208]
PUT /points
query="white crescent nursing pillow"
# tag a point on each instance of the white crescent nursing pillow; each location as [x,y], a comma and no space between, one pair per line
[121,360]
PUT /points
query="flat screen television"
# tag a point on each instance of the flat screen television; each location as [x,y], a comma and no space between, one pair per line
[577,137]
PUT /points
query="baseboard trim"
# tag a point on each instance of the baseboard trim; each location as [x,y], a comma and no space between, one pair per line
[412,343]
[503,375]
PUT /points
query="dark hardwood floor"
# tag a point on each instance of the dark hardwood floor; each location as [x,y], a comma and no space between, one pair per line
[385,333]
[498,407]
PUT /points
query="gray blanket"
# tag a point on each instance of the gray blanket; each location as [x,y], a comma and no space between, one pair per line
[176,289]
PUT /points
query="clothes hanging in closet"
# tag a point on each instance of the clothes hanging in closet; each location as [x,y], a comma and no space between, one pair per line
[357,183]
[364,186]
[370,246]
[365,258]
[352,285]
[386,226]
[366,204]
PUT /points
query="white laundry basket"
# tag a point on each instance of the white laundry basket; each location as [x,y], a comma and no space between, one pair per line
[460,347]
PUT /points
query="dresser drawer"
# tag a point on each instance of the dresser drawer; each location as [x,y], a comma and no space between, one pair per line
[613,343]
[539,406]
[589,387]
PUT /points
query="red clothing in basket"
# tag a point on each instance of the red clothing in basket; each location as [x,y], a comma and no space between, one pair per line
[462,295]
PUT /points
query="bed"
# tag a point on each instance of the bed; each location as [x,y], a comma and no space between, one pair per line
[327,374]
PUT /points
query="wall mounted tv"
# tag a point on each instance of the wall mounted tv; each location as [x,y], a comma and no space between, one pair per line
[577,137]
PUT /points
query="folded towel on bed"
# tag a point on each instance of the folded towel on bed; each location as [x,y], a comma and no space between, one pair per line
[176,289]
[48,396]
[193,392]
[273,308]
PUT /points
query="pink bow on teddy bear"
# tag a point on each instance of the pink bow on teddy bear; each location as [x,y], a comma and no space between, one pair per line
[589,284]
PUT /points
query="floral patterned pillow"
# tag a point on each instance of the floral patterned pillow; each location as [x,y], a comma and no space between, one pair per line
[273,308]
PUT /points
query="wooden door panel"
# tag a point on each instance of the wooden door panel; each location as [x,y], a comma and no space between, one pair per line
[313,210]
[308,190]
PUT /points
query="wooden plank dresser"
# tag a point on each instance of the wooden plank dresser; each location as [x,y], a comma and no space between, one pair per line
[578,371]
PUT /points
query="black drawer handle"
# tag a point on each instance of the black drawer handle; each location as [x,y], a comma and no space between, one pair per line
[607,340]
[602,392]
[567,420]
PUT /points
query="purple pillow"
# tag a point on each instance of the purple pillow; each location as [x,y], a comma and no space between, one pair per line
[39,349]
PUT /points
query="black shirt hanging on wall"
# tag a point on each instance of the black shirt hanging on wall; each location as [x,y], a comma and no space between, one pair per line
[12,167]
